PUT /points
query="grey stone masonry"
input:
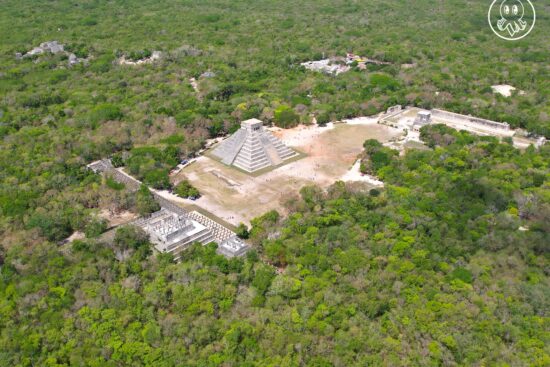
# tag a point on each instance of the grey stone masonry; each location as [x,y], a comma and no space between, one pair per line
[171,232]
[219,232]
[231,147]
[233,247]
[463,118]
[252,148]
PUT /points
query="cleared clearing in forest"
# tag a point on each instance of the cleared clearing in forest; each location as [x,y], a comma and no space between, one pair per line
[330,153]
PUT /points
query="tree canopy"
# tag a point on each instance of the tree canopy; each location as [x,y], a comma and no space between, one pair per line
[447,265]
[444,266]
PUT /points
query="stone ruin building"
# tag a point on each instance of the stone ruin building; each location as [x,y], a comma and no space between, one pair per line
[423,118]
[233,247]
[394,109]
[172,229]
[252,148]
[171,233]
[456,117]
[53,47]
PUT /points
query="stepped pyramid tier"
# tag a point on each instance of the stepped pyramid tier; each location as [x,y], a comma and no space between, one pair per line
[252,148]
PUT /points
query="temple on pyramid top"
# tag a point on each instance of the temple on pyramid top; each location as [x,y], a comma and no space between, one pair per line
[252,148]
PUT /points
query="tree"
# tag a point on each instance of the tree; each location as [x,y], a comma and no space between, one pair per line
[448,256]
[186,190]
[323,118]
[130,238]
[95,227]
[262,278]
[286,286]
[286,117]
[54,226]
[151,334]
[145,201]
[376,156]
[158,179]
[242,231]
[194,192]
[105,112]
[117,160]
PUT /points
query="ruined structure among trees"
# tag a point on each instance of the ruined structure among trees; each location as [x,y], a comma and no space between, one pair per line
[171,232]
[233,247]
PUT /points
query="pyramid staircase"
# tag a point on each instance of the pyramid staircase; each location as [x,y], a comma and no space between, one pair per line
[231,147]
[253,148]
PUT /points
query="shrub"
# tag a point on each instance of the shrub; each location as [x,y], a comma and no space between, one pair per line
[89,21]
[117,160]
[102,64]
[285,117]
[173,139]
[185,118]
[53,226]
[242,231]
[105,112]
[185,190]
[95,227]
[38,100]
[145,202]
[158,179]
[139,55]
[114,184]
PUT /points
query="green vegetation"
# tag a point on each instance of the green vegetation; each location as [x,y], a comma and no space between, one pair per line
[445,266]
[114,184]
[104,113]
[55,119]
[265,77]
[131,243]
[285,117]
[173,139]
[431,270]
[152,165]
[139,55]
[242,231]
[375,156]
[95,227]
[185,190]
[145,202]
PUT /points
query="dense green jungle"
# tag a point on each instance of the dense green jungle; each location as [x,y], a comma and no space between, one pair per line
[447,265]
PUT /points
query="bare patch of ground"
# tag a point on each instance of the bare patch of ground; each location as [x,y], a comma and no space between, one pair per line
[505,90]
[367,120]
[117,219]
[75,236]
[194,84]
[300,135]
[355,175]
[238,197]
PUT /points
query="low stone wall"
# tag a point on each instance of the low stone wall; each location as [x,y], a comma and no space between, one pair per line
[463,118]
[394,109]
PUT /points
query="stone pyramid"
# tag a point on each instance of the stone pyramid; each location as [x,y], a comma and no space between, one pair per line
[252,148]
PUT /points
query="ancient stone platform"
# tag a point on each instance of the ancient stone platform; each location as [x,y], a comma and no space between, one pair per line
[252,148]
